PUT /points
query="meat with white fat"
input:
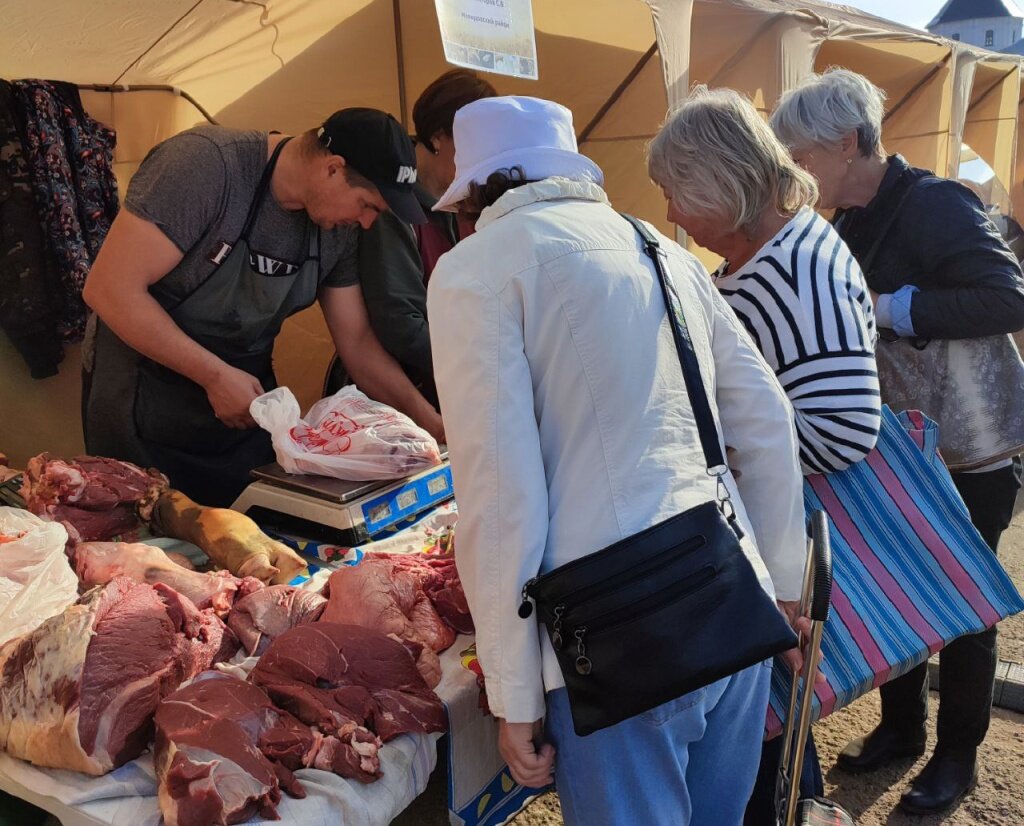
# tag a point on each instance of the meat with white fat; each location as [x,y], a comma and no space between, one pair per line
[80,691]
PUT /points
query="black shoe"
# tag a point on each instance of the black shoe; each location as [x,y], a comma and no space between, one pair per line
[942,782]
[880,747]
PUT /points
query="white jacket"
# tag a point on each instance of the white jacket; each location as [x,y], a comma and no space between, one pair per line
[567,418]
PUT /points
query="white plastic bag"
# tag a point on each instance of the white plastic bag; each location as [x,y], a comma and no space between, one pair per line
[36,581]
[346,436]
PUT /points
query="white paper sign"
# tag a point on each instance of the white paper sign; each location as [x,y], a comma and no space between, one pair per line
[489,35]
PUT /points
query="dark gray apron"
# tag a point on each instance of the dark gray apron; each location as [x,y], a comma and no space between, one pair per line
[236,314]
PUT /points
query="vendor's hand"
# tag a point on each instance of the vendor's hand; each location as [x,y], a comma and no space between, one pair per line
[231,392]
[874,297]
[794,658]
[531,764]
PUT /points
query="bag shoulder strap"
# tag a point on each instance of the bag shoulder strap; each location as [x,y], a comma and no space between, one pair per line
[695,388]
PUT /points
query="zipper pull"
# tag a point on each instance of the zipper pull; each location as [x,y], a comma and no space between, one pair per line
[526,607]
[583,664]
[556,633]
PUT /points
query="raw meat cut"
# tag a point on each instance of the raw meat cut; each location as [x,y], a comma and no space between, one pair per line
[100,498]
[441,583]
[97,499]
[96,563]
[80,691]
[224,752]
[266,614]
[404,595]
[230,539]
[334,677]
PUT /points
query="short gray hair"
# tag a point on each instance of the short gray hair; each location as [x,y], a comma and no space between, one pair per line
[825,108]
[716,157]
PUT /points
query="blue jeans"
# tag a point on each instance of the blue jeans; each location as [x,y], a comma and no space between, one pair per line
[692,760]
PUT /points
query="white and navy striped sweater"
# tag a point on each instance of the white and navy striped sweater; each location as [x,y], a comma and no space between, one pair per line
[804,300]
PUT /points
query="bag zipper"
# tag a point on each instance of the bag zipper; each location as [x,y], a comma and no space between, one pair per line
[601,588]
[648,606]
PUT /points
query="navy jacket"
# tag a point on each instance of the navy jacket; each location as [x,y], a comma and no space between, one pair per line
[941,241]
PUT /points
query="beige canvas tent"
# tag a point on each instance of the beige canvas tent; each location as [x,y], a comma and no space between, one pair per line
[286,64]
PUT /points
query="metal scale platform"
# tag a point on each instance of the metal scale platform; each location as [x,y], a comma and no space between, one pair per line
[336,511]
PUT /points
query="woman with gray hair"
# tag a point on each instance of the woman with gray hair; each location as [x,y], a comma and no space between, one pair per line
[938,270]
[793,284]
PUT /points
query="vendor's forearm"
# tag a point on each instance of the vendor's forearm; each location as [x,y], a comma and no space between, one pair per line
[141,323]
[380,377]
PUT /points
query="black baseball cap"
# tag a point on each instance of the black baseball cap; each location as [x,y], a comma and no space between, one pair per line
[375,145]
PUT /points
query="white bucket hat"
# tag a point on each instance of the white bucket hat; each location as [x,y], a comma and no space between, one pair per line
[502,132]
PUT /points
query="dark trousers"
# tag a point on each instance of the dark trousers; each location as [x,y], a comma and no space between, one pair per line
[761,808]
[967,666]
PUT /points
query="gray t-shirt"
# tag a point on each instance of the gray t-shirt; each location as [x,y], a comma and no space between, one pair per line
[197,188]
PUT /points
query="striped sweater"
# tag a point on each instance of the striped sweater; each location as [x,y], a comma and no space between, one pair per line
[804,301]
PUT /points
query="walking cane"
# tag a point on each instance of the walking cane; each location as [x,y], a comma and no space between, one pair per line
[814,603]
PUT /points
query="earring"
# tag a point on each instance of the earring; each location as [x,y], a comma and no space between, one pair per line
[849,160]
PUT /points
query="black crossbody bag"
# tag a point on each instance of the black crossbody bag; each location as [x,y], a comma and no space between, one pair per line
[670,609]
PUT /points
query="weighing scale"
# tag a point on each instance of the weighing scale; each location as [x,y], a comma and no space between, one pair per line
[336,511]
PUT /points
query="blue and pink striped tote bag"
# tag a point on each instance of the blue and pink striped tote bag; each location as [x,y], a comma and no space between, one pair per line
[911,573]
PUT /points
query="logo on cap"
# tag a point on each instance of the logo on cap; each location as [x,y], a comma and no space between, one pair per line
[407,174]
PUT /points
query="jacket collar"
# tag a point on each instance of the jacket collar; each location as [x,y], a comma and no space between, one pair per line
[550,189]
[898,167]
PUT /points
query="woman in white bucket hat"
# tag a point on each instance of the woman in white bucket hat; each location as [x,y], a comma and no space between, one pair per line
[569,428]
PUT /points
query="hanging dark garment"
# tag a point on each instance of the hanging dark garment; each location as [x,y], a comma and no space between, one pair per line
[70,156]
[30,303]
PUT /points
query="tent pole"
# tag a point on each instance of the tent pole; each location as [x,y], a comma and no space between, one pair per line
[149,87]
[396,7]
[917,86]
[614,97]
[161,37]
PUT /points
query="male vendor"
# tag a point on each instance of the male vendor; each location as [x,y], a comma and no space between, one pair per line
[224,234]
[396,256]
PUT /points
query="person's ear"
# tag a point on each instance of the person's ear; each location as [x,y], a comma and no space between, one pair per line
[848,145]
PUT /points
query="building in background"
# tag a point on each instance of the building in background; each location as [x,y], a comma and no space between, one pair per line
[991,24]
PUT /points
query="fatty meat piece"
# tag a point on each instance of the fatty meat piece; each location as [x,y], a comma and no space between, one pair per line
[79,692]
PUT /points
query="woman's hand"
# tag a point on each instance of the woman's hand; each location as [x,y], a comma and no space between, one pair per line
[794,658]
[530,760]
